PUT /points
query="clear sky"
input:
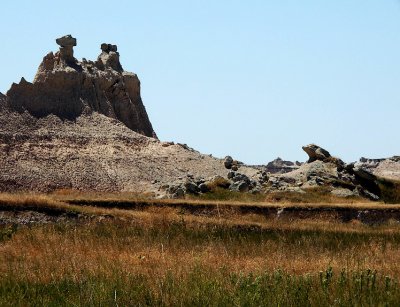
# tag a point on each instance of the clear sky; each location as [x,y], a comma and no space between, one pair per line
[253,79]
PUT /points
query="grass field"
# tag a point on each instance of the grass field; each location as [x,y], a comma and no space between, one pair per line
[167,256]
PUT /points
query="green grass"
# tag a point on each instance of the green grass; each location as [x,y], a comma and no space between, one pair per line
[167,256]
[201,287]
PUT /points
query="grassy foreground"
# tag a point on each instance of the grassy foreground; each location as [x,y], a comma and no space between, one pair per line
[166,256]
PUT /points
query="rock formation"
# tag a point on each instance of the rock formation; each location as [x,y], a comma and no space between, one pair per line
[3,100]
[324,170]
[315,152]
[387,168]
[66,87]
[279,166]
[81,125]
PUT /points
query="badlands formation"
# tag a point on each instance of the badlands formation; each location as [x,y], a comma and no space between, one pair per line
[82,125]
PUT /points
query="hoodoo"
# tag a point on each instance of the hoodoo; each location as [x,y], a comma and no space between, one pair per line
[66,87]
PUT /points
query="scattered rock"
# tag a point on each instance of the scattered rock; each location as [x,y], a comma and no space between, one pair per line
[240,177]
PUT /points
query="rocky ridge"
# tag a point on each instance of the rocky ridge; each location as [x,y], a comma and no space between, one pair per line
[81,125]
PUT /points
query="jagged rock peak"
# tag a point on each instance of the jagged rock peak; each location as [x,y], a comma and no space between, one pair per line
[66,87]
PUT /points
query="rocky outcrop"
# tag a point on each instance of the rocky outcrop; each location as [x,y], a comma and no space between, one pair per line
[81,125]
[3,100]
[316,152]
[387,168]
[67,88]
[279,166]
[344,180]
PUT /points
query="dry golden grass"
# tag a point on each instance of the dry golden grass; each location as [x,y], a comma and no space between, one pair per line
[165,238]
[160,242]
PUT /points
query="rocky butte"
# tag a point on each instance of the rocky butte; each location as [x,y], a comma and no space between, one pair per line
[66,87]
[82,125]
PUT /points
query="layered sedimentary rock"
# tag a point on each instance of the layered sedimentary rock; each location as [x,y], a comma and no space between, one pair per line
[3,100]
[67,88]
[81,125]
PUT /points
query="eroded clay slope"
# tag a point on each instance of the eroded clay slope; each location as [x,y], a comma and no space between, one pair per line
[93,152]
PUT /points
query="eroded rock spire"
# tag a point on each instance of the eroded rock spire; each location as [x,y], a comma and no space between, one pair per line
[67,44]
[66,87]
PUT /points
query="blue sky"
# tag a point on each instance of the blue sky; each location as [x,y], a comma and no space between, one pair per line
[253,79]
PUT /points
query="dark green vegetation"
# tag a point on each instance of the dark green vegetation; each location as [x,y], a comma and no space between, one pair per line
[209,288]
[390,190]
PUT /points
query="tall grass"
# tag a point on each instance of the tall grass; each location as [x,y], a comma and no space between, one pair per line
[167,262]
[201,287]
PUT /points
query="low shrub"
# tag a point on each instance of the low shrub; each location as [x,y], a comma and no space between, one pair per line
[390,190]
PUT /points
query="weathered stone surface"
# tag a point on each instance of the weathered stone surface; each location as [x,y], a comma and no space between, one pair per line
[68,88]
[108,47]
[279,166]
[239,186]
[191,187]
[341,192]
[316,152]
[387,168]
[204,188]
[66,41]
[228,162]
[67,44]
[2,100]
[109,58]
[240,177]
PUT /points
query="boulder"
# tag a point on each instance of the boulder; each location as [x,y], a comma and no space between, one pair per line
[191,187]
[316,152]
[203,187]
[341,192]
[66,41]
[279,166]
[231,174]
[240,186]
[240,177]
[67,44]
[179,193]
[228,162]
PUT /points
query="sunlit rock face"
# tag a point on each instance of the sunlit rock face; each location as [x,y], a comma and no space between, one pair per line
[67,88]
